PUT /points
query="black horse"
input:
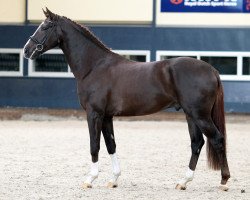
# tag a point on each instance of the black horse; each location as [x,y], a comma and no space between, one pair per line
[109,85]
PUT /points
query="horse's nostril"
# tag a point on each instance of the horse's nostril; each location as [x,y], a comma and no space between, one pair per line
[26,50]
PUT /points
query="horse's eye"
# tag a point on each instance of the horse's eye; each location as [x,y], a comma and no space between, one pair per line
[50,24]
[45,27]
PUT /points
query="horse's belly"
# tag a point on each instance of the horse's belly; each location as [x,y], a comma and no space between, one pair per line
[144,105]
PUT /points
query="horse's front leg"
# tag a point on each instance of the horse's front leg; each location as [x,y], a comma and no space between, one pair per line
[108,133]
[95,125]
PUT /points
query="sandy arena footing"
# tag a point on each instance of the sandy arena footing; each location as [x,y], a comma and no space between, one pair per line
[49,160]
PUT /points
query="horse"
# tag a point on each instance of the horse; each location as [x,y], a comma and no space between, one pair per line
[110,85]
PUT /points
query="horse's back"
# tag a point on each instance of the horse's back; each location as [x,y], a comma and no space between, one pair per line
[144,88]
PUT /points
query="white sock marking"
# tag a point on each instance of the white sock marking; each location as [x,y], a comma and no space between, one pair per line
[188,177]
[115,167]
[93,174]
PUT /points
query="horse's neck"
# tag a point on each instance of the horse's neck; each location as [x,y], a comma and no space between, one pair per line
[81,53]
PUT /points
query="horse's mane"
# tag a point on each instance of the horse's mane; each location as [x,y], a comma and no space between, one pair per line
[89,34]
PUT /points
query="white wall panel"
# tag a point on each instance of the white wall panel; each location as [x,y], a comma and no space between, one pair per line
[12,11]
[100,11]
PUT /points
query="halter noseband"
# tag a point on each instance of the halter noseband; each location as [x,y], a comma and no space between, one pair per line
[39,45]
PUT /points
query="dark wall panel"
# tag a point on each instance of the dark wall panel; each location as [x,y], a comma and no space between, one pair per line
[132,37]
[237,96]
[61,92]
[38,92]
[203,39]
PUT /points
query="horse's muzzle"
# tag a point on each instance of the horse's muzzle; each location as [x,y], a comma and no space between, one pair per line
[26,52]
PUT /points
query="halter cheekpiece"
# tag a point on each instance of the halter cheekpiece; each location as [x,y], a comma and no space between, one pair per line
[40,45]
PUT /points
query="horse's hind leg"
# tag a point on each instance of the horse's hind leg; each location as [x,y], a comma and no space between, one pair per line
[217,157]
[197,143]
[108,133]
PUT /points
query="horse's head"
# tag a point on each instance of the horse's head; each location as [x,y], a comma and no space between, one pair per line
[44,38]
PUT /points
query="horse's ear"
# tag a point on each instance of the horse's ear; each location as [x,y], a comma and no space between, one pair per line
[45,13]
[49,14]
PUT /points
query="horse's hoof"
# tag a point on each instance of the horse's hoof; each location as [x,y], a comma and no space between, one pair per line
[87,186]
[180,187]
[112,185]
[223,187]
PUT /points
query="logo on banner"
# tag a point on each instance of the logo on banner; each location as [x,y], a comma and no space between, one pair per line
[176,2]
[247,5]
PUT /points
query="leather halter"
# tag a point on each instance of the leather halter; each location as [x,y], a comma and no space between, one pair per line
[40,45]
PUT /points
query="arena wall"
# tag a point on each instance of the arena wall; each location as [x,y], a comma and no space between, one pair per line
[151,35]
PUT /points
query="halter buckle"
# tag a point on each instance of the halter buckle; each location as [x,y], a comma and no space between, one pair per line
[39,47]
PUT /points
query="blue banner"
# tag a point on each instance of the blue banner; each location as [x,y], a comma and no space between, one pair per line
[216,6]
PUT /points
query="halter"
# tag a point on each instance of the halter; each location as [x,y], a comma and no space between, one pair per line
[39,45]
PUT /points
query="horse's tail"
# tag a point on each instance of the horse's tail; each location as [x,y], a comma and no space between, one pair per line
[218,117]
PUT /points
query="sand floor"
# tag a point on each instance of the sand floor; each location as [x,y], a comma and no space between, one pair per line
[49,160]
